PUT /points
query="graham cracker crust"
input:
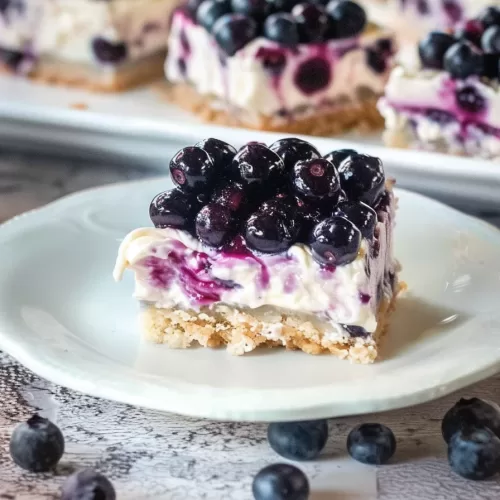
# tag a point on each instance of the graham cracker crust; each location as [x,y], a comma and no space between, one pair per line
[240,331]
[362,116]
[118,79]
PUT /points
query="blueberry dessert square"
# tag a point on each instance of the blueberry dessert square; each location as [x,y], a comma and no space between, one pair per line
[450,102]
[102,45]
[312,67]
[268,246]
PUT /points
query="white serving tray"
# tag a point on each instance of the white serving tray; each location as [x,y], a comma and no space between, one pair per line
[139,126]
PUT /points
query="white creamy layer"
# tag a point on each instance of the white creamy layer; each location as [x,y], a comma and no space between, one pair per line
[64,29]
[244,83]
[296,282]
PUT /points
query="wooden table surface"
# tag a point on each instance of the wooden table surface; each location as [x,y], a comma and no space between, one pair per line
[163,456]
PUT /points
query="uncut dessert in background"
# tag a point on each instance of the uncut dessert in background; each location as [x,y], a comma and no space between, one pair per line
[450,102]
[279,64]
[101,45]
[413,19]
[268,246]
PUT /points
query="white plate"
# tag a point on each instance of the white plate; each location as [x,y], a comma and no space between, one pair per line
[63,317]
[139,125]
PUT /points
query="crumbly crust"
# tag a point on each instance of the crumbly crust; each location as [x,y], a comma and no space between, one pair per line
[362,116]
[69,74]
[240,331]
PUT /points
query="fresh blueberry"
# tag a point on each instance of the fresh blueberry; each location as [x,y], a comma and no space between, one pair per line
[471,30]
[271,231]
[230,195]
[470,100]
[463,59]
[284,205]
[257,167]
[491,67]
[349,18]
[221,152]
[210,11]
[338,156]
[233,31]
[192,6]
[298,440]
[313,75]
[87,484]
[490,41]
[37,445]
[360,214]
[283,5]
[474,453]
[362,178]
[214,224]
[315,179]
[282,28]
[280,482]
[433,48]
[335,241]
[109,52]
[292,150]
[310,214]
[471,413]
[312,22]
[372,444]
[257,9]
[490,16]
[172,209]
[192,169]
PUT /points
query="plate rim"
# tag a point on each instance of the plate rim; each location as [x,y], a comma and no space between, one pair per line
[58,375]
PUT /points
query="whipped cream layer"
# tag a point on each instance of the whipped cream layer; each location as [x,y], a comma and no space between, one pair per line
[174,270]
[67,30]
[264,78]
[426,106]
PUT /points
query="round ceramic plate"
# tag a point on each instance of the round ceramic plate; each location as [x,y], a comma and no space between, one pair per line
[63,317]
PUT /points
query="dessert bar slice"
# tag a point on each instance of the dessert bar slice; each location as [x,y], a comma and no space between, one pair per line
[268,246]
[286,66]
[451,101]
[103,45]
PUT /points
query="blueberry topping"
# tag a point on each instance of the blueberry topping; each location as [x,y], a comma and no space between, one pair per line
[491,67]
[313,75]
[469,414]
[312,22]
[292,150]
[271,231]
[231,195]
[490,41]
[463,59]
[471,30]
[338,156]
[474,453]
[360,214]
[362,178]
[372,444]
[349,18]
[376,60]
[355,331]
[109,52]
[37,445]
[423,7]
[87,484]
[11,58]
[256,166]
[310,214]
[257,9]
[280,482]
[433,48]
[221,152]
[233,31]
[453,10]
[273,59]
[172,209]
[490,17]
[315,179]
[214,224]
[298,440]
[335,241]
[193,5]
[283,5]
[285,206]
[282,28]
[192,169]
[210,11]
[470,100]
